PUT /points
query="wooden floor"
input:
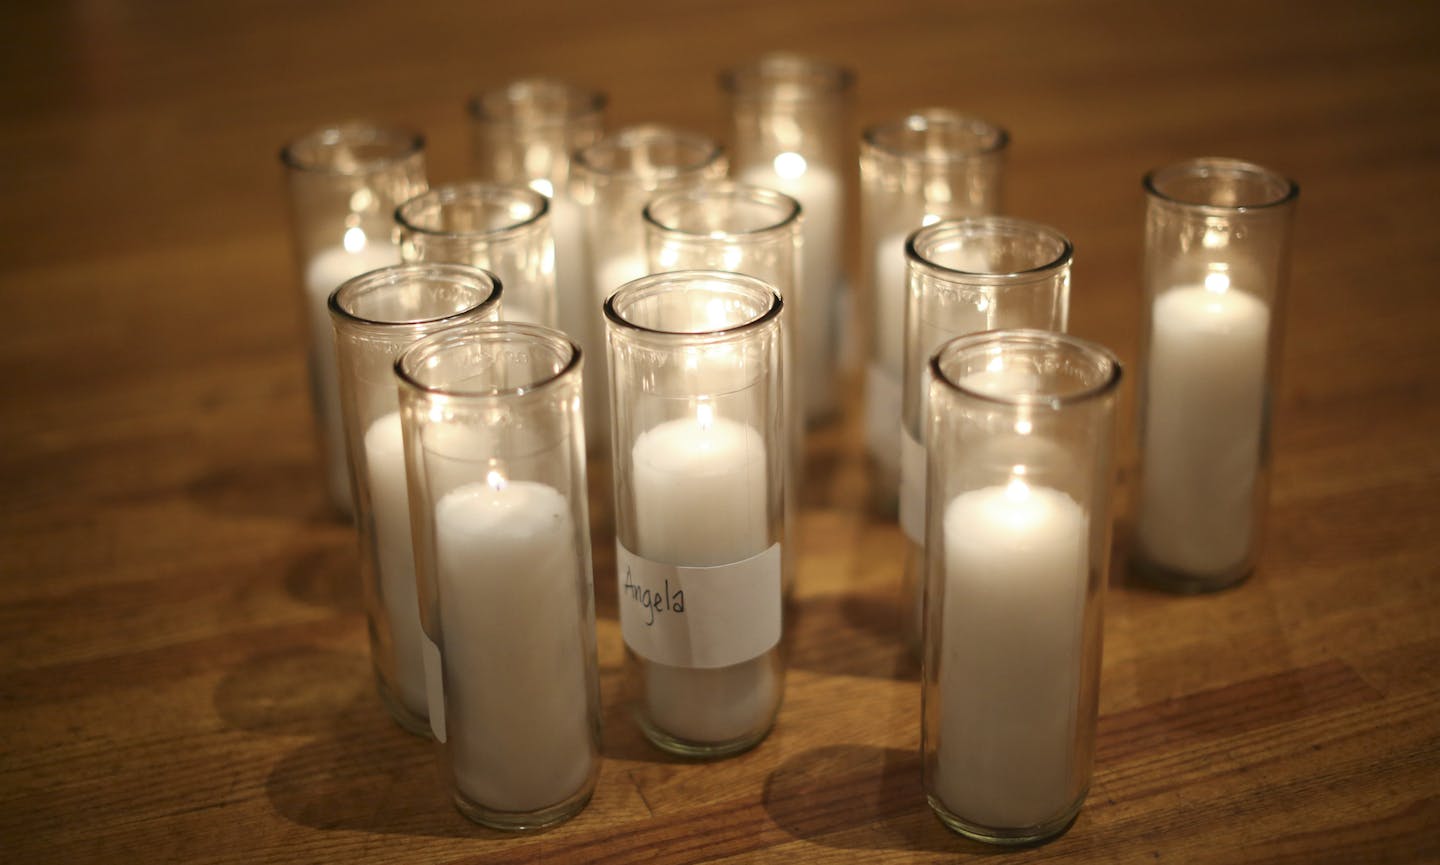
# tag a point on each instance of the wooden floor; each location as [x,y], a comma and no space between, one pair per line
[183,662]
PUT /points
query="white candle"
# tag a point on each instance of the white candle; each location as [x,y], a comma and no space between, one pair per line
[324,273]
[819,192]
[579,312]
[1204,418]
[395,557]
[701,500]
[512,613]
[884,377]
[1010,654]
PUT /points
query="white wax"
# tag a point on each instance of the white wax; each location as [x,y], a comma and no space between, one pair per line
[578,312]
[819,192]
[512,616]
[324,273]
[1010,654]
[890,288]
[1204,417]
[395,557]
[700,501]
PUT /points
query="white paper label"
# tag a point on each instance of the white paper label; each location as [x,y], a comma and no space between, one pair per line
[912,488]
[434,687]
[882,414]
[700,617]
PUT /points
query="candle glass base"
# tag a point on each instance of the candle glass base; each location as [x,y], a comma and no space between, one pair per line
[409,721]
[1180,582]
[523,821]
[1007,836]
[672,744]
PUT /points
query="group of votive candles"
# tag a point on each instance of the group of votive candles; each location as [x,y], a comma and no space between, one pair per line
[452,331]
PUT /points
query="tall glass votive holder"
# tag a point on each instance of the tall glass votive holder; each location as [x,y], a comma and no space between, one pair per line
[524,132]
[503,229]
[612,180]
[930,165]
[696,385]
[1021,448]
[750,230]
[790,132]
[965,276]
[1217,249]
[495,439]
[344,183]
[376,316]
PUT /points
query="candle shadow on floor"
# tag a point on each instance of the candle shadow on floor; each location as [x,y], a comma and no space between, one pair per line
[859,797]
[327,575]
[358,771]
[853,634]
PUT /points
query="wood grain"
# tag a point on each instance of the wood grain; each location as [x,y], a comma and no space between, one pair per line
[183,662]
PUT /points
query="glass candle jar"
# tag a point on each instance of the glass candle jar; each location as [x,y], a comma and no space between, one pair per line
[496,446]
[750,230]
[1217,248]
[612,180]
[344,182]
[931,165]
[503,229]
[790,131]
[1021,447]
[965,276]
[523,133]
[376,315]
[700,437]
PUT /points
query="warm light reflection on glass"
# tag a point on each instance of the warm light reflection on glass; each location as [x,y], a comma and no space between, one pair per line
[354,239]
[790,166]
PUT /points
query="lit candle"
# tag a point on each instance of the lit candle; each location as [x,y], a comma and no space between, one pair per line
[323,275]
[1010,653]
[820,195]
[515,687]
[1204,417]
[395,556]
[700,502]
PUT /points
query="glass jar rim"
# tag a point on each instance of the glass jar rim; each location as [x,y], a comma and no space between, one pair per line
[927,119]
[498,104]
[1028,336]
[746,80]
[658,284]
[723,190]
[1283,189]
[991,225]
[396,274]
[410,361]
[401,143]
[634,137]
[443,196]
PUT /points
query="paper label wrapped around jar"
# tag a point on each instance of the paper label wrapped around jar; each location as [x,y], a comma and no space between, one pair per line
[700,617]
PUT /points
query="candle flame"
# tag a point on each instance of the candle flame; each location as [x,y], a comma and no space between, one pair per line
[929,219]
[790,166]
[1024,428]
[543,186]
[495,480]
[354,239]
[1017,490]
[705,414]
[1217,282]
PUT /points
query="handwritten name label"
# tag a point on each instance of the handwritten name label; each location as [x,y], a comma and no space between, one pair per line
[700,617]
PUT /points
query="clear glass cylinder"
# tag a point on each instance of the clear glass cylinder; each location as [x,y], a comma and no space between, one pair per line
[750,230]
[495,442]
[930,165]
[344,183]
[376,316]
[503,229]
[612,180]
[700,438]
[524,133]
[790,132]
[1217,249]
[1021,453]
[965,276]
